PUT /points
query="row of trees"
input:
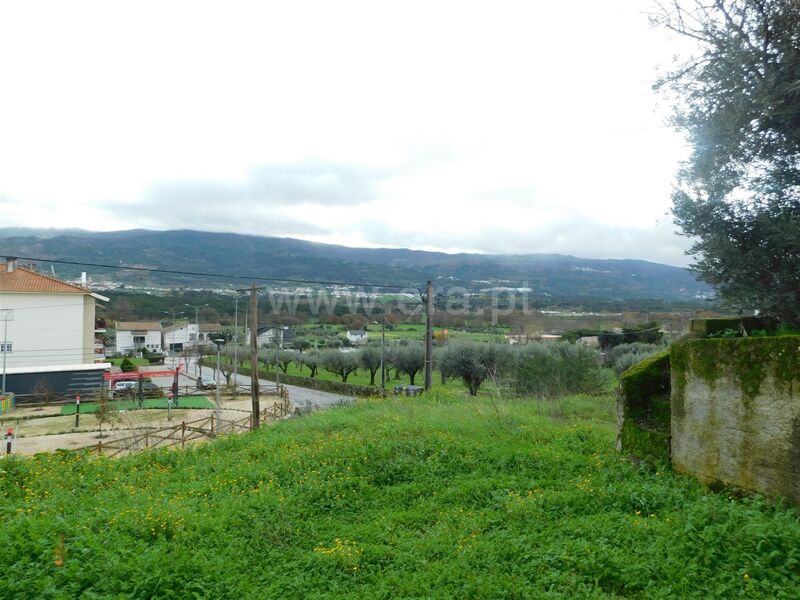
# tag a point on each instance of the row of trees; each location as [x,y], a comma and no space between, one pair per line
[542,369]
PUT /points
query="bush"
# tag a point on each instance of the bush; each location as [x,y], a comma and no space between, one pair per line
[626,355]
[554,368]
[127,366]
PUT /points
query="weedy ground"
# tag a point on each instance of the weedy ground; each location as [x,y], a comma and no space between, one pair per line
[435,497]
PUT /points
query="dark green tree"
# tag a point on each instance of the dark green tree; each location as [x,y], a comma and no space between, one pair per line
[408,359]
[370,359]
[737,99]
[340,363]
[474,362]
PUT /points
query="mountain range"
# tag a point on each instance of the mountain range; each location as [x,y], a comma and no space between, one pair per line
[560,276]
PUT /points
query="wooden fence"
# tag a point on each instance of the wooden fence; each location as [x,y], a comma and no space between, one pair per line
[187,431]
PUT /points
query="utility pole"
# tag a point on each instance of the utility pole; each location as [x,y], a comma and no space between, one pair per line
[254,354]
[429,336]
[383,352]
[236,344]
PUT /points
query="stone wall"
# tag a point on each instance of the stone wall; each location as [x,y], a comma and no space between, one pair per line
[735,407]
[643,409]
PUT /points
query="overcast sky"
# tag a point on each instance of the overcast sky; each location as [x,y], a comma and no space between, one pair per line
[487,126]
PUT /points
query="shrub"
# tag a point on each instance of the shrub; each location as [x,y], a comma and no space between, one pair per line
[626,355]
[553,368]
[127,365]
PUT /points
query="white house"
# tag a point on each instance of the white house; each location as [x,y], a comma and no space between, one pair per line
[357,336]
[180,336]
[133,336]
[187,335]
[269,335]
[47,333]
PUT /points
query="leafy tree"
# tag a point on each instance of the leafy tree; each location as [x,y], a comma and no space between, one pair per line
[311,360]
[474,362]
[737,99]
[279,358]
[301,344]
[227,365]
[370,359]
[340,363]
[408,359]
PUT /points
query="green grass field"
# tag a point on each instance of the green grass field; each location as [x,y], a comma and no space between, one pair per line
[401,331]
[183,402]
[438,497]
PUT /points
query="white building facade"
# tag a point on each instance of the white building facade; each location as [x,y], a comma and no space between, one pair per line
[48,328]
[180,336]
[134,336]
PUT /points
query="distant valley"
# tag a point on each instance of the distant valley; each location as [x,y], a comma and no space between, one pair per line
[558,276]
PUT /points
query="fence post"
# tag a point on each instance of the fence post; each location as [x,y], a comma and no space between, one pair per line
[183,434]
[100,446]
[212,423]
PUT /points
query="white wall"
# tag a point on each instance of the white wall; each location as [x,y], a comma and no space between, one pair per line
[152,340]
[49,329]
[182,335]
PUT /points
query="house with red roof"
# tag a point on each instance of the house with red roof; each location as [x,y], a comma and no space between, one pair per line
[47,333]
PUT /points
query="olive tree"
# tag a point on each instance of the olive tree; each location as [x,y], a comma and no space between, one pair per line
[474,362]
[409,359]
[342,364]
[736,99]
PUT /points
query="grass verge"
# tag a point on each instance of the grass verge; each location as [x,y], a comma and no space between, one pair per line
[435,497]
[183,402]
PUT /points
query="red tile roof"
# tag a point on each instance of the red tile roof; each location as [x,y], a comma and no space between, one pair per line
[26,281]
[138,326]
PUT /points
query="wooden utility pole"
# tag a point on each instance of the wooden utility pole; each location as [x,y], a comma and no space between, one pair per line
[429,336]
[254,354]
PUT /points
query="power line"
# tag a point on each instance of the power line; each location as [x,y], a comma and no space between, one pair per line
[216,275]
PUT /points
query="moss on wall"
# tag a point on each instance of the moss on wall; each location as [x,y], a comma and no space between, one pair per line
[711,326]
[645,408]
[751,360]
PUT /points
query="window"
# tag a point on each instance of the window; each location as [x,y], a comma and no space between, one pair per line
[6,347]
[138,339]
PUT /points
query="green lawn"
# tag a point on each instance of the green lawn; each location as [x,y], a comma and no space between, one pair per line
[433,497]
[183,402]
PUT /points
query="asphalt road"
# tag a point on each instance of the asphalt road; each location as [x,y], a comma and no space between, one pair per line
[301,397]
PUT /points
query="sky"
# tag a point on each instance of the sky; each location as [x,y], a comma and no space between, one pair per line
[499,127]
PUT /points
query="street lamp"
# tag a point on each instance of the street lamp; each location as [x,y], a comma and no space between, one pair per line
[383,344]
[197,326]
[236,341]
[174,316]
[218,343]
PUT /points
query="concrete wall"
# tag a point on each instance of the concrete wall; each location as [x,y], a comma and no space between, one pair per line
[735,407]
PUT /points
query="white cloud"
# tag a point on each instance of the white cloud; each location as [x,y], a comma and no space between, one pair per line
[360,122]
